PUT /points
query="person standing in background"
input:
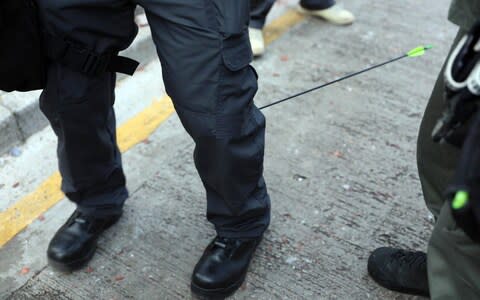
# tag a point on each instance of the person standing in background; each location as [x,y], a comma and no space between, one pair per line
[450,269]
[325,9]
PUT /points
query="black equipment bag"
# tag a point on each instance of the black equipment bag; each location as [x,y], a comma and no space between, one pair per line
[22,55]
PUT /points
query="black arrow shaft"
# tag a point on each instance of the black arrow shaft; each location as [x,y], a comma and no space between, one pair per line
[335,81]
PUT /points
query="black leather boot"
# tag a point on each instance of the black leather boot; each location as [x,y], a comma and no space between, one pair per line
[400,270]
[223,267]
[76,241]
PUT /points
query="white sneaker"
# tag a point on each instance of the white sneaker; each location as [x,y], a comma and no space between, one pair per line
[335,14]
[256,40]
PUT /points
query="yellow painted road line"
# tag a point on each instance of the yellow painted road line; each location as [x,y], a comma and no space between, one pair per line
[26,210]
[18,216]
[144,124]
[281,25]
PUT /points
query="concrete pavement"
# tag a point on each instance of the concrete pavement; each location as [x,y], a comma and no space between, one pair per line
[340,165]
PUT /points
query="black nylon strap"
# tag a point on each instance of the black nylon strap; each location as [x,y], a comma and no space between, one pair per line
[85,61]
[123,65]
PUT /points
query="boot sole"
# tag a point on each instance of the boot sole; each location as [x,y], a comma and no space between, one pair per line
[391,286]
[81,262]
[74,265]
[218,293]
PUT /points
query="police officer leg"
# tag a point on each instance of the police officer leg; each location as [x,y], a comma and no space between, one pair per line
[79,108]
[406,271]
[453,264]
[452,257]
[205,55]
[436,162]
[327,10]
[259,10]
[432,273]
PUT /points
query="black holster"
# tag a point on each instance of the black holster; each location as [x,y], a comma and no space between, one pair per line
[22,56]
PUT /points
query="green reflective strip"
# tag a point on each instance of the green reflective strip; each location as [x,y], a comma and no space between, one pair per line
[419,51]
[460,200]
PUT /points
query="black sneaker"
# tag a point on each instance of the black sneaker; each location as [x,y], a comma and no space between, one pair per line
[399,270]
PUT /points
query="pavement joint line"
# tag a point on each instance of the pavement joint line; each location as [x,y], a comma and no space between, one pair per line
[25,211]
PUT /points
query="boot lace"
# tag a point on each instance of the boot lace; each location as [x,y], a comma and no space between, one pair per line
[223,243]
[412,259]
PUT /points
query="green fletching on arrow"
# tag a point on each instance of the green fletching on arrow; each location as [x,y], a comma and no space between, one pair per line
[419,51]
[460,200]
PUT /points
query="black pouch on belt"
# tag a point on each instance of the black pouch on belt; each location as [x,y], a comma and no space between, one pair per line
[22,55]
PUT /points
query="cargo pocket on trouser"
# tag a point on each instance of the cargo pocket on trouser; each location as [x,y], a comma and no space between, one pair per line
[237,86]
[236,52]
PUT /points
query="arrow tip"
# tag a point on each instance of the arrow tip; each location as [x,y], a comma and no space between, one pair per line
[419,51]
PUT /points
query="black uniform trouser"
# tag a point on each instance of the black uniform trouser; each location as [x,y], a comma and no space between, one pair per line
[205,54]
[259,9]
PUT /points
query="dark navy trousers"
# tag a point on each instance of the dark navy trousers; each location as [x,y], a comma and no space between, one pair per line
[205,54]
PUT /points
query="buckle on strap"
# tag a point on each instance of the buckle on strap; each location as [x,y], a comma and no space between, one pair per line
[85,61]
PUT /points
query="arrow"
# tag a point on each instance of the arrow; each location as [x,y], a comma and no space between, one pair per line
[415,52]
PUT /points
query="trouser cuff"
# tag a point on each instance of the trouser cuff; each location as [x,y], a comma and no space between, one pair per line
[252,233]
[317,5]
[257,24]
[106,204]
